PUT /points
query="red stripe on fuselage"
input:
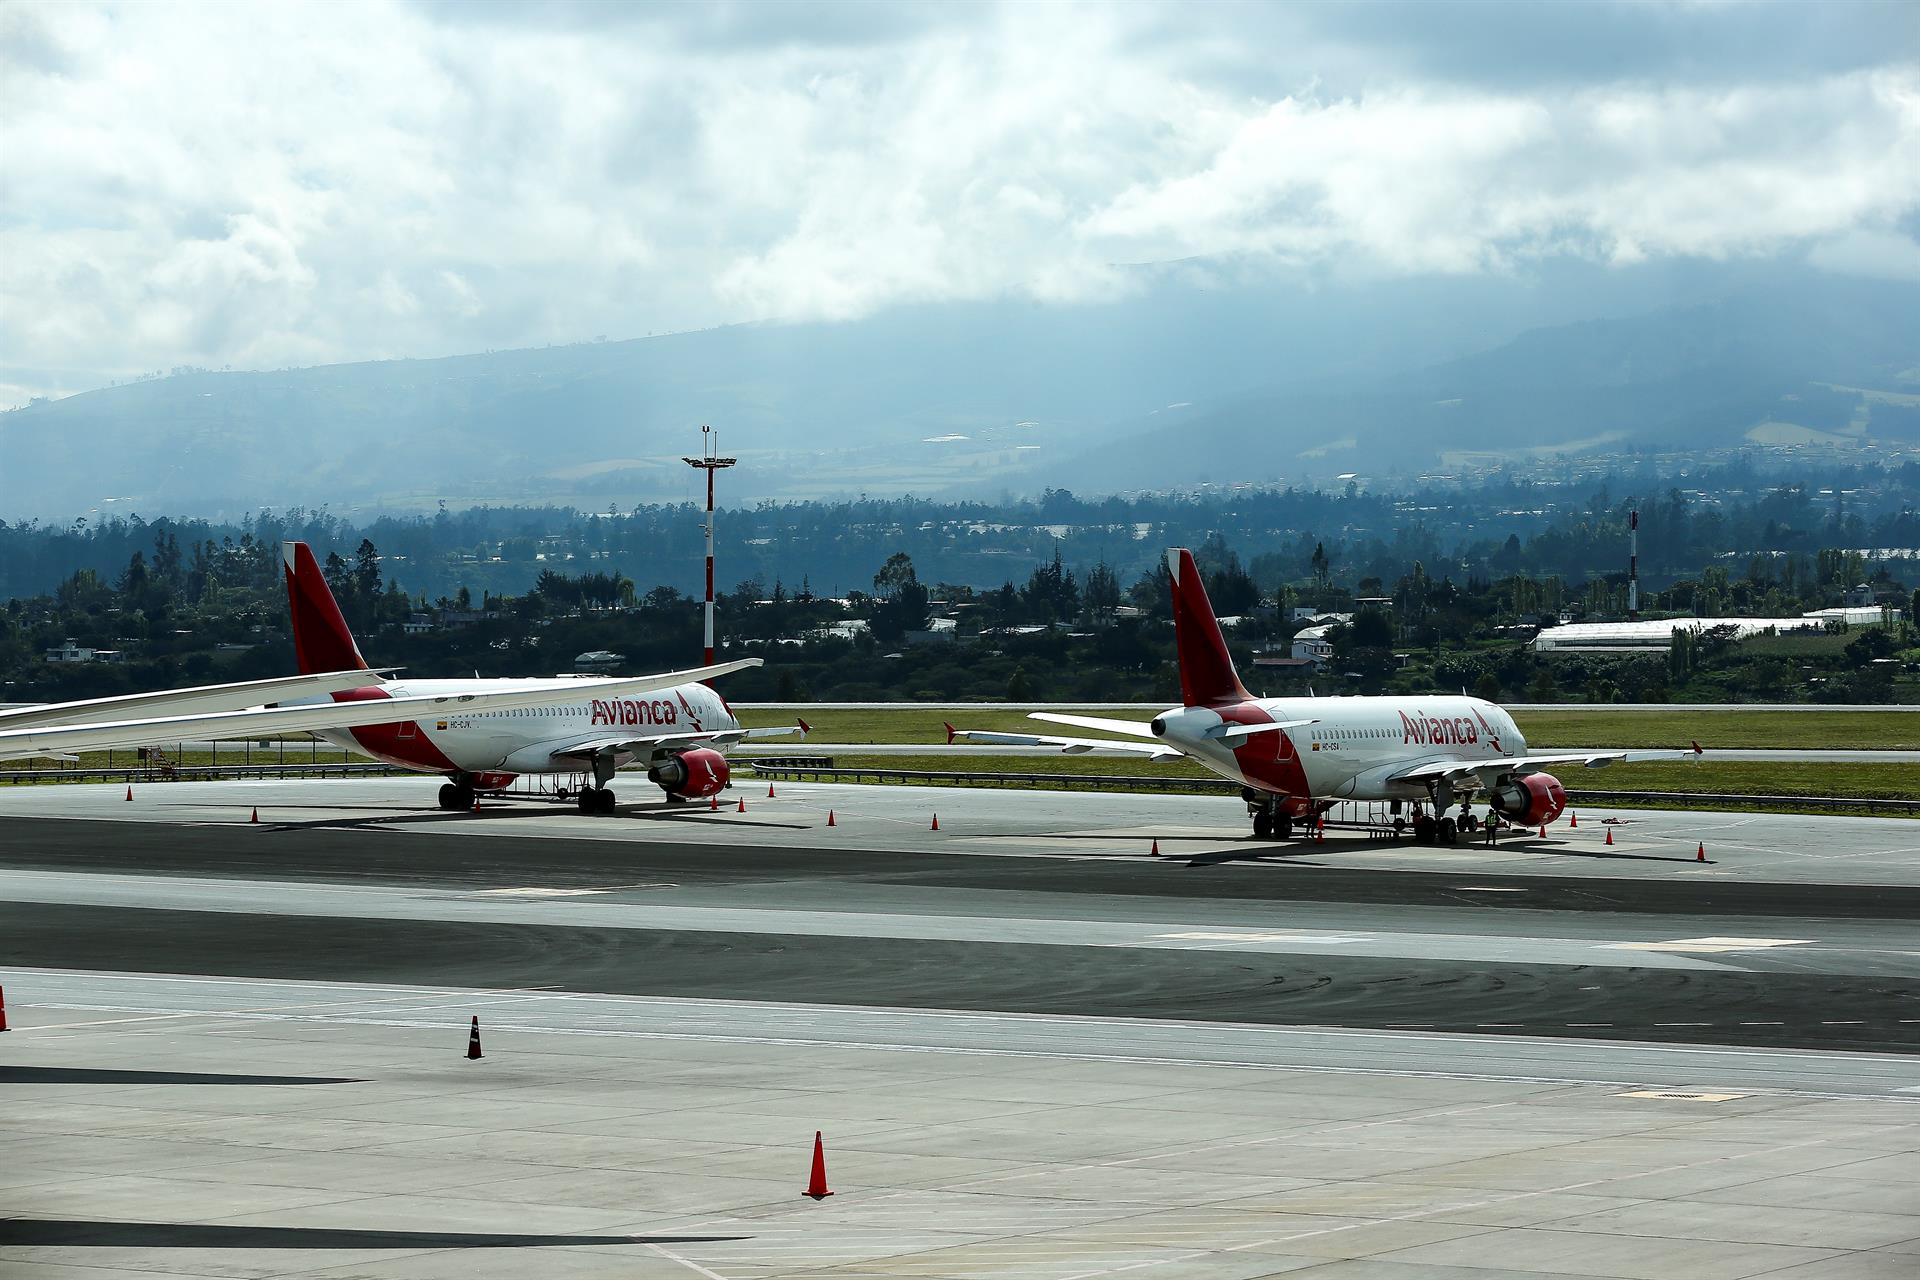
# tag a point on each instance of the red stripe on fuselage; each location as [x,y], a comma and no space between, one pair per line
[383,741]
[1269,761]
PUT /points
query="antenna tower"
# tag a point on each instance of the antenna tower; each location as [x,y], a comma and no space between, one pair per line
[710,462]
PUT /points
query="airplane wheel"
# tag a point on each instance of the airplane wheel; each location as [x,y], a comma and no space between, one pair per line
[462,798]
[1469,823]
[1283,829]
[1424,829]
[1262,825]
[605,804]
[586,801]
[447,790]
[1447,831]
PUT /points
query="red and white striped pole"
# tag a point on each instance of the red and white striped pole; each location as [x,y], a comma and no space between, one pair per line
[709,463]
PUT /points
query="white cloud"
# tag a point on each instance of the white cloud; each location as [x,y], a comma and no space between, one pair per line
[276,184]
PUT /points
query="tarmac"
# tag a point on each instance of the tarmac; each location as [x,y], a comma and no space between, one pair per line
[1034,1049]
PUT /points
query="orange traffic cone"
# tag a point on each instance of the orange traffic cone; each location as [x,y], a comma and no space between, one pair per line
[473,1040]
[1543,831]
[129,791]
[713,802]
[1573,819]
[1701,856]
[743,805]
[769,791]
[817,1181]
[829,817]
[3,1008]
[1155,851]
[1609,835]
[256,814]
[1320,829]
[476,804]
[936,823]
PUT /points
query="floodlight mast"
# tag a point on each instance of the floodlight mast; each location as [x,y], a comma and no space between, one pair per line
[709,462]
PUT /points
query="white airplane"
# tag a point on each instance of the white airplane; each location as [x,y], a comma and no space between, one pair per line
[1294,758]
[571,726]
[365,702]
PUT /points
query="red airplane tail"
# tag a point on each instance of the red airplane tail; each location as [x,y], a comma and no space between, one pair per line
[321,640]
[1207,677]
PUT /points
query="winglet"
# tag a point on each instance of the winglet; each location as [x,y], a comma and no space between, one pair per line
[805,728]
[951,731]
[1696,748]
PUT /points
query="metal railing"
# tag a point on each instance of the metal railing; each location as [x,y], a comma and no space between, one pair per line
[1221,786]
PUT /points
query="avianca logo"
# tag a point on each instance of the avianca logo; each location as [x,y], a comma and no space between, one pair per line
[693,717]
[1433,731]
[627,711]
[1492,737]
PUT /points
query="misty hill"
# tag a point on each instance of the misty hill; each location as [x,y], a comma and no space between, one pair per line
[1201,375]
[1749,368]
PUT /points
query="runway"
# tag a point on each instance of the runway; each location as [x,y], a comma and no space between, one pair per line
[1034,1049]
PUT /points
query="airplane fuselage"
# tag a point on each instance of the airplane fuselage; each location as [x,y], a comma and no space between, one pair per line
[1356,745]
[524,741]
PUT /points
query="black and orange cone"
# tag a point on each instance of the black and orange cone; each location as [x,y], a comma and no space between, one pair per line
[743,805]
[1609,835]
[1155,851]
[129,791]
[473,1040]
[1573,820]
[3,1008]
[829,817]
[769,791]
[817,1180]
[1701,855]
[256,814]
[936,823]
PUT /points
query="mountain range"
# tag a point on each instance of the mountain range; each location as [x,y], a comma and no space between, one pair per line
[1203,373]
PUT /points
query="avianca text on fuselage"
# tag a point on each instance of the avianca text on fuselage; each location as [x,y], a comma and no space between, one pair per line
[1428,731]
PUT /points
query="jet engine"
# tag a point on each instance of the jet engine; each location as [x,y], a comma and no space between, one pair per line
[695,774]
[1531,800]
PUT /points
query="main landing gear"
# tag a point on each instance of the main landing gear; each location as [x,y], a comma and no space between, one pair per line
[457,796]
[596,800]
[1271,821]
[1431,829]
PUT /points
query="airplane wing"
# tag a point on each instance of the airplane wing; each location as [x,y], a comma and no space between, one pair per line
[199,698]
[1132,728]
[649,744]
[1067,746]
[44,740]
[1223,732]
[1432,770]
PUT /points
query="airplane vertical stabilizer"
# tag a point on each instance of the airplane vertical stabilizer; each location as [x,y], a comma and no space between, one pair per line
[321,640]
[1207,677]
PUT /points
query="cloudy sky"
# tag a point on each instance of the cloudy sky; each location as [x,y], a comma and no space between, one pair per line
[259,185]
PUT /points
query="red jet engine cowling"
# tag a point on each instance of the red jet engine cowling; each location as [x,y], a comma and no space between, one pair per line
[695,774]
[1531,801]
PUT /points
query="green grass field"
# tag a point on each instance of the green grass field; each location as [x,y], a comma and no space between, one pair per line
[1572,727]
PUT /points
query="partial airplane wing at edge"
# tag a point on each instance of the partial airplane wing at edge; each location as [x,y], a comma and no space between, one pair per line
[198,699]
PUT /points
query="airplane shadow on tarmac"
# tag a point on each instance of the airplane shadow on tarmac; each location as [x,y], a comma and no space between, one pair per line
[435,817]
[1287,857]
[11,1074]
[193,1235]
